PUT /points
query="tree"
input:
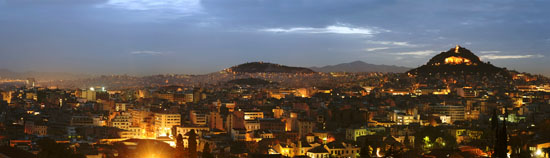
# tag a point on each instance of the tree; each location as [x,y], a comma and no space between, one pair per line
[430,138]
[494,127]
[179,141]
[192,143]
[50,149]
[406,141]
[524,153]
[494,120]
[393,152]
[179,146]
[206,151]
[252,146]
[501,145]
[174,131]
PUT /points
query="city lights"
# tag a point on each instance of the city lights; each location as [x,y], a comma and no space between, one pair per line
[274,79]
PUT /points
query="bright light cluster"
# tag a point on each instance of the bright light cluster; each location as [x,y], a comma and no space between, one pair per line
[456,60]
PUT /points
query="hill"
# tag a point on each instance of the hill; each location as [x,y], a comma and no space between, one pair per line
[263,67]
[360,66]
[459,67]
[250,81]
[457,60]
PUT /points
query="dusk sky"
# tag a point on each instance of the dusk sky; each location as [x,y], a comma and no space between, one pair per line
[143,37]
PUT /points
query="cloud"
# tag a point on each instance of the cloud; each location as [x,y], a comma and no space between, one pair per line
[494,56]
[179,6]
[376,48]
[466,23]
[490,52]
[422,52]
[417,54]
[393,43]
[148,53]
[332,29]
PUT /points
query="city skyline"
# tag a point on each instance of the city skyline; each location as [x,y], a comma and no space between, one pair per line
[141,37]
[274,79]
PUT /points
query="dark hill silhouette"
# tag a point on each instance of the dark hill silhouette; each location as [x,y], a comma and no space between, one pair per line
[263,67]
[360,66]
[250,81]
[457,60]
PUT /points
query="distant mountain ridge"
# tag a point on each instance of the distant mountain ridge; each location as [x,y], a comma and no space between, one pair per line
[264,67]
[40,76]
[360,66]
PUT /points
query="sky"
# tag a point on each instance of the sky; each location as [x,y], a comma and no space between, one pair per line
[144,37]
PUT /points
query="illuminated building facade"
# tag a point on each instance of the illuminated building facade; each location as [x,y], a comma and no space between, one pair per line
[198,117]
[354,133]
[164,123]
[38,129]
[6,96]
[251,125]
[318,152]
[466,92]
[253,115]
[456,112]
[216,121]
[238,134]
[456,60]
[401,118]
[342,150]
[121,121]
[272,124]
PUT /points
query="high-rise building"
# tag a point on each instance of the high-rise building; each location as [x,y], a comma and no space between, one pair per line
[456,112]
[198,117]
[121,121]
[216,120]
[164,123]
[305,127]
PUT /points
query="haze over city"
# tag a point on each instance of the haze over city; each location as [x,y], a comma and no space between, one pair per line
[145,37]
